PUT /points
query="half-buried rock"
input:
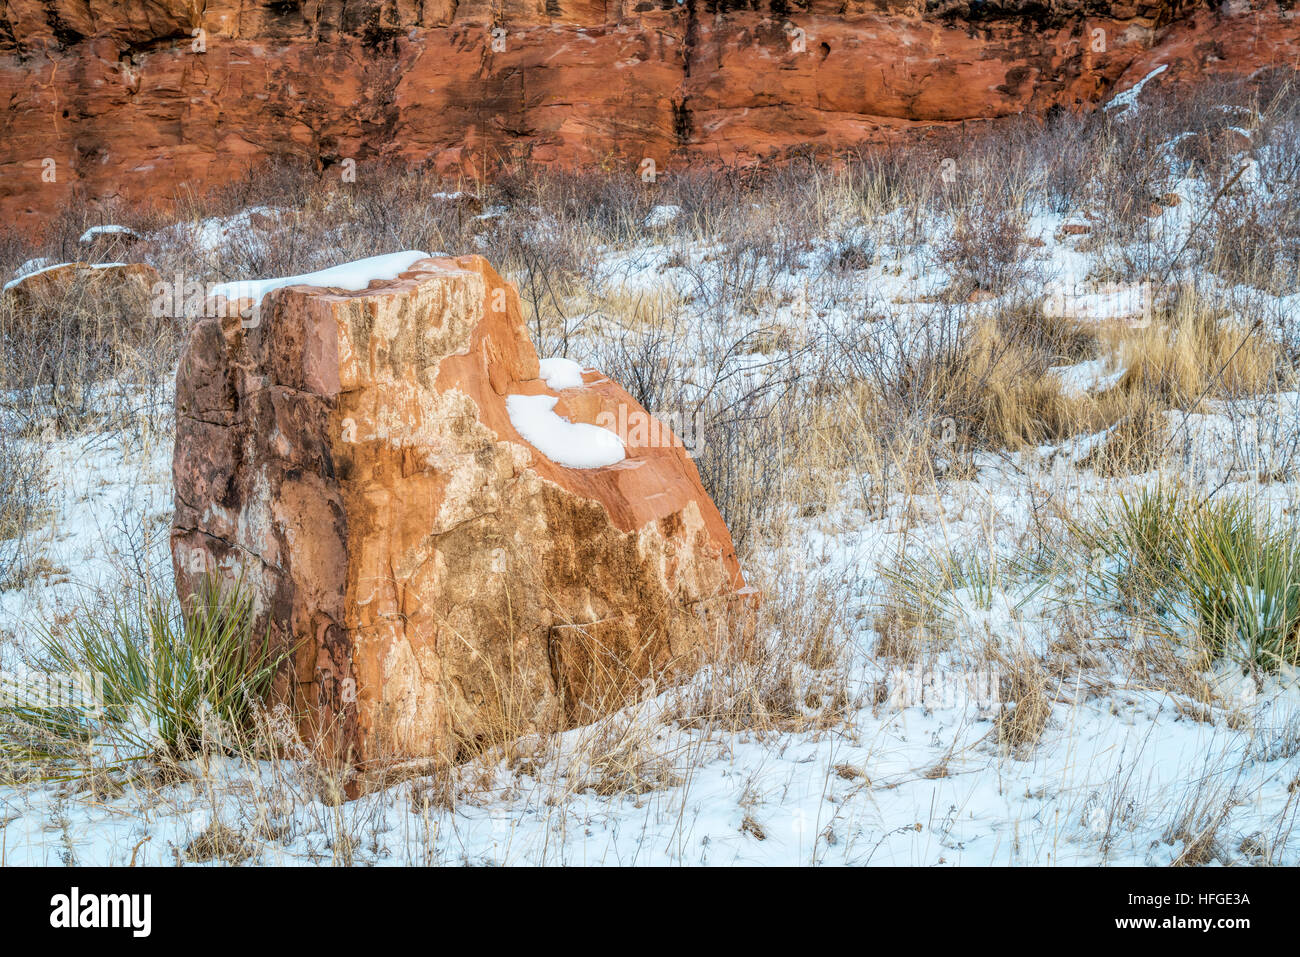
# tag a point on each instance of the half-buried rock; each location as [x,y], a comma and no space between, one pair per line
[453,546]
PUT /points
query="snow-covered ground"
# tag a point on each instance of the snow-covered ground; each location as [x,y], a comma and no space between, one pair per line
[908,770]
[876,761]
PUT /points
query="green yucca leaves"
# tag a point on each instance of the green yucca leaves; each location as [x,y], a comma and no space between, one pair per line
[165,680]
[942,584]
[1225,570]
[1243,580]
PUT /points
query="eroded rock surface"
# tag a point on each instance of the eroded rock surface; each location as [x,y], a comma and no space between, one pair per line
[48,284]
[135,99]
[444,583]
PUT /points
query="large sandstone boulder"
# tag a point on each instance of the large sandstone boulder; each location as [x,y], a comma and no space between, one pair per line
[353,456]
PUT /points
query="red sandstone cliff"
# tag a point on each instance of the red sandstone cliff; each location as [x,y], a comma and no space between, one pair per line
[135,98]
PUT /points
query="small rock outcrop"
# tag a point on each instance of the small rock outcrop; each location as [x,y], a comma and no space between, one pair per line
[356,457]
[48,283]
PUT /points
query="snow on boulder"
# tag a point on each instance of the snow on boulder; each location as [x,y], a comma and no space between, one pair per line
[254,225]
[561,374]
[31,267]
[43,285]
[452,544]
[110,229]
[577,445]
[107,242]
[246,295]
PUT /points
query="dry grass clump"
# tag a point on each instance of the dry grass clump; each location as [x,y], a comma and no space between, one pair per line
[1198,352]
[1192,351]
[1001,394]
[1199,826]
[906,633]
[1156,659]
[24,488]
[931,591]
[1134,444]
[997,387]
[631,767]
[436,791]
[961,385]
[792,678]
[1026,706]
[989,384]
[772,694]
[218,843]
[66,342]
[1253,235]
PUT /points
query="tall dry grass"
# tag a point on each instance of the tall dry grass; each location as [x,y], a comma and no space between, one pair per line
[803,399]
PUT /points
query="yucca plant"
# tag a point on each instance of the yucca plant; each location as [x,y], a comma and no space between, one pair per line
[1242,577]
[923,587]
[942,584]
[1221,569]
[1136,550]
[164,679]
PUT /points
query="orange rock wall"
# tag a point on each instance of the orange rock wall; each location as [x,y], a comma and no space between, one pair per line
[121,99]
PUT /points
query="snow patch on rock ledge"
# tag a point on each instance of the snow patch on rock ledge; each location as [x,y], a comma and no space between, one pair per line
[22,275]
[561,374]
[1122,101]
[112,229]
[352,276]
[576,445]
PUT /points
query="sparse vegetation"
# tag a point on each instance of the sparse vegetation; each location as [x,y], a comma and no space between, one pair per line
[23,488]
[150,681]
[1221,571]
[928,461]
